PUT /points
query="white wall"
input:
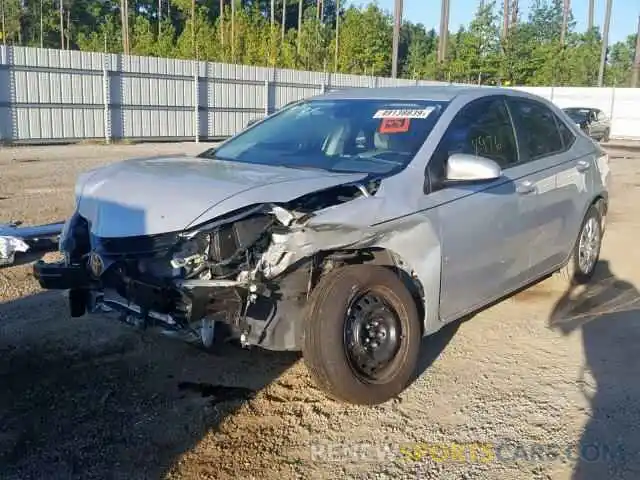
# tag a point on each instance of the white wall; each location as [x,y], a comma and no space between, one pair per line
[622,105]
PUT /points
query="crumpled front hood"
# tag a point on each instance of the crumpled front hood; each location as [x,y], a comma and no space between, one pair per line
[158,195]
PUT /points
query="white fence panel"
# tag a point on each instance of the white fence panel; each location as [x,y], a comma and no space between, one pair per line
[580,97]
[544,92]
[626,113]
[61,95]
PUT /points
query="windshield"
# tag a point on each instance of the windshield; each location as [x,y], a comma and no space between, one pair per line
[577,114]
[369,136]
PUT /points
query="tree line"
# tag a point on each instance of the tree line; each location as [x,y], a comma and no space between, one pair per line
[301,34]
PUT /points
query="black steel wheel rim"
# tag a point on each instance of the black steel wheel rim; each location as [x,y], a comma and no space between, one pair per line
[373,336]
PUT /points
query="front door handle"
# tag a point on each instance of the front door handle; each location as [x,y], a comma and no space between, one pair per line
[526,186]
[583,165]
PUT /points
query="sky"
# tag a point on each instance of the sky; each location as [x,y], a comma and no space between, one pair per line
[624,13]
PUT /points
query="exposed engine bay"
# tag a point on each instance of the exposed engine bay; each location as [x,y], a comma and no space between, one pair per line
[234,275]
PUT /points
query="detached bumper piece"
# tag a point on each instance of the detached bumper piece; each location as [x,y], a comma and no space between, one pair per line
[59,276]
[9,246]
[16,239]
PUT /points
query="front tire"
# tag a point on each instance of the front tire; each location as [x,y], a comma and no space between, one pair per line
[362,335]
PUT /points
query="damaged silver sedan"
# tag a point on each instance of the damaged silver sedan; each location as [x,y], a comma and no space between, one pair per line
[348,226]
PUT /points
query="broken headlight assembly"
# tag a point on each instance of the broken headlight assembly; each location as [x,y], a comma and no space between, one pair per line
[191,253]
[223,247]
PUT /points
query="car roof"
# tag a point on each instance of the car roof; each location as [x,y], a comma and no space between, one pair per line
[445,92]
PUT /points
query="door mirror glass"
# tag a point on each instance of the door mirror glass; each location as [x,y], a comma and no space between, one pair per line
[462,167]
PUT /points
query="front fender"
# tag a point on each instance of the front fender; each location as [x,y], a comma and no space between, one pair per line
[417,251]
[412,240]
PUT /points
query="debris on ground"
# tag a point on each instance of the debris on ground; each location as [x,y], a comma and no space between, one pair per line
[16,239]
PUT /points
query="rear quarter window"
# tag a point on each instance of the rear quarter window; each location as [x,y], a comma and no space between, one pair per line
[568,138]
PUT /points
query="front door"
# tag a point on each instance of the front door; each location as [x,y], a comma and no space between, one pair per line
[479,223]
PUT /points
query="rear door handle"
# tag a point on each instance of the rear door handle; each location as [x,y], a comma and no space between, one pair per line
[526,186]
[582,165]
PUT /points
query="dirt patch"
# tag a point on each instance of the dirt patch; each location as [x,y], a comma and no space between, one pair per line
[90,398]
[534,293]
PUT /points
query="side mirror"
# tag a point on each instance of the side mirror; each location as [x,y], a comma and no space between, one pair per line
[462,167]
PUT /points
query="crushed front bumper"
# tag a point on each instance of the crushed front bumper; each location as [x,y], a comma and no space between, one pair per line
[176,307]
[61,276]
[86,295]
[77,278]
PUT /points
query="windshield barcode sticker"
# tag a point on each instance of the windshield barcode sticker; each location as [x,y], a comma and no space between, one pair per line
[422,113]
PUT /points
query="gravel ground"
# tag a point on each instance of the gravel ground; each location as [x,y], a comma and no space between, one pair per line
[545,372]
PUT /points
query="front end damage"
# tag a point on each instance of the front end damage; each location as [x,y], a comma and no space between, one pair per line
[247,274]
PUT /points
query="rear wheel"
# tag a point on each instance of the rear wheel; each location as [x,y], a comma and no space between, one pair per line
[362,335]
[586,251]
[605,137]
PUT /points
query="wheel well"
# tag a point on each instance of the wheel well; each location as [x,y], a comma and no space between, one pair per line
[291,290]
[382,257]
[601,200]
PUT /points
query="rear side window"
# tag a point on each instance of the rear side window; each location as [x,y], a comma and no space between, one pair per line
[537,129]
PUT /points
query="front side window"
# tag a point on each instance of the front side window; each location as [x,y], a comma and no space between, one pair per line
[538,131]
[342,135]
[481,128]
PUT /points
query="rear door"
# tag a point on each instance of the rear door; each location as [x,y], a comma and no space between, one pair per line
[551,184]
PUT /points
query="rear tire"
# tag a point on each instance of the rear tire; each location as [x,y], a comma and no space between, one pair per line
[362,335]
[586,251]
[605,137]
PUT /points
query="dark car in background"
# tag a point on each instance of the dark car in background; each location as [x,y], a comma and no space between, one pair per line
[591,121]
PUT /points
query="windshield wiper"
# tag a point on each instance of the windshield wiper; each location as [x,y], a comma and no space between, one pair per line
[299,167]
[213,156]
